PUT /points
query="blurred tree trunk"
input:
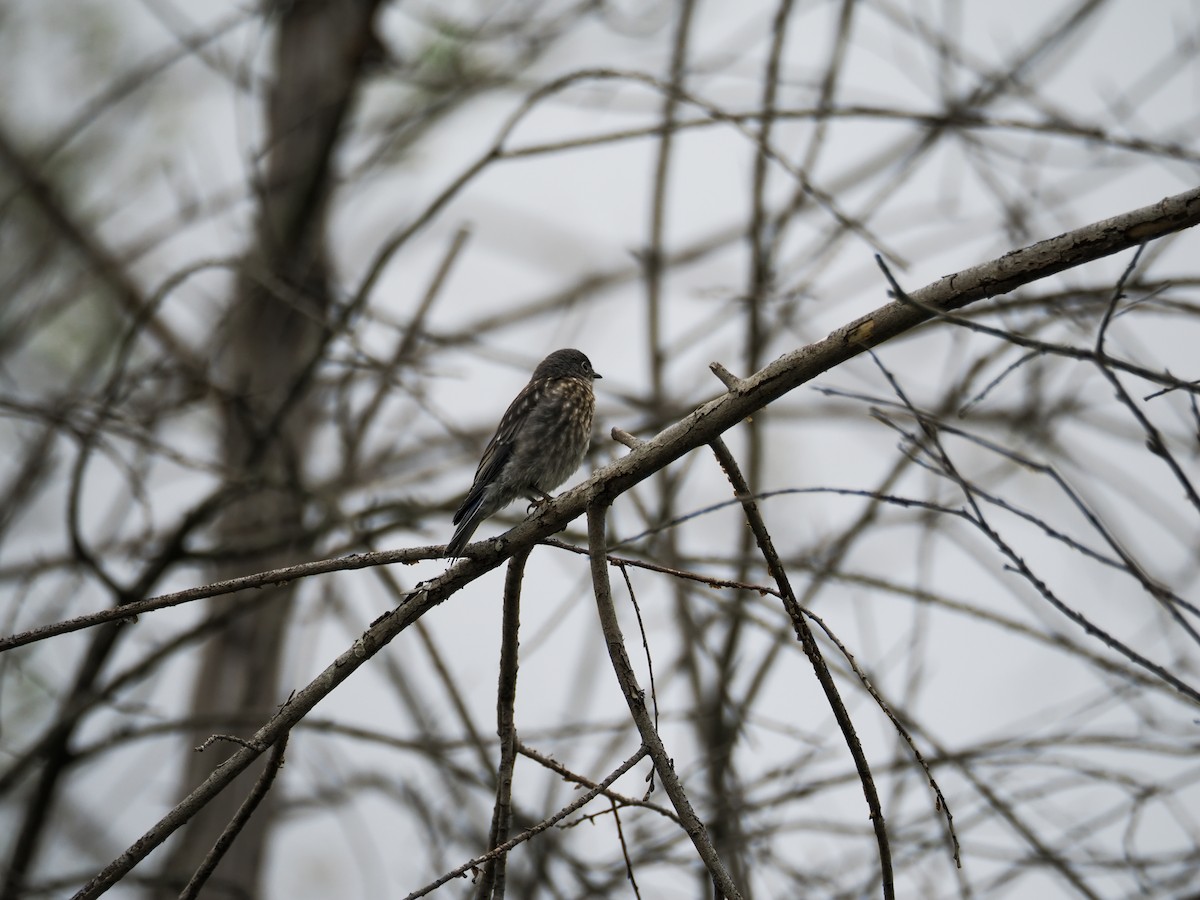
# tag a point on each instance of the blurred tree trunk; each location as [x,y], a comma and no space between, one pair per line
[276,327]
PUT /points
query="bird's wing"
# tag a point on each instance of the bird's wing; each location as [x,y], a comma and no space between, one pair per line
[500,447]
[498,450]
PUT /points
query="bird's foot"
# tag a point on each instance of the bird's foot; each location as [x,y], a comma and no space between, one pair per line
[536,503]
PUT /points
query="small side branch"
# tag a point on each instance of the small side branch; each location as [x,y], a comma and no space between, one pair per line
[579,802]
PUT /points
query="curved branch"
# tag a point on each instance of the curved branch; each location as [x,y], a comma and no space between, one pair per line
[808,642]
[635,699]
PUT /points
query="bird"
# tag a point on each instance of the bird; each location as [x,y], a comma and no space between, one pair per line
[540,442]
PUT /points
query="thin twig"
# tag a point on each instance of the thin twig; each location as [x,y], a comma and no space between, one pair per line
[578,803]
[557,767]
[241,817]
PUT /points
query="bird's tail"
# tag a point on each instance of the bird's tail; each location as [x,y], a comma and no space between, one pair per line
[468,518]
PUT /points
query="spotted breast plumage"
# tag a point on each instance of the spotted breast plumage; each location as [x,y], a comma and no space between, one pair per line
[541,440]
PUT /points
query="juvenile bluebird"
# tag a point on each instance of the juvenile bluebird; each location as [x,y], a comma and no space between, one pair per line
[541,440]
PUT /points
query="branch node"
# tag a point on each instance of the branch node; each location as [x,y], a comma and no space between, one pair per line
[621,436]
[232,738]
[731,381]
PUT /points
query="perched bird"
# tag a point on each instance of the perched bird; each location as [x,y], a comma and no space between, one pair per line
[540,442]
